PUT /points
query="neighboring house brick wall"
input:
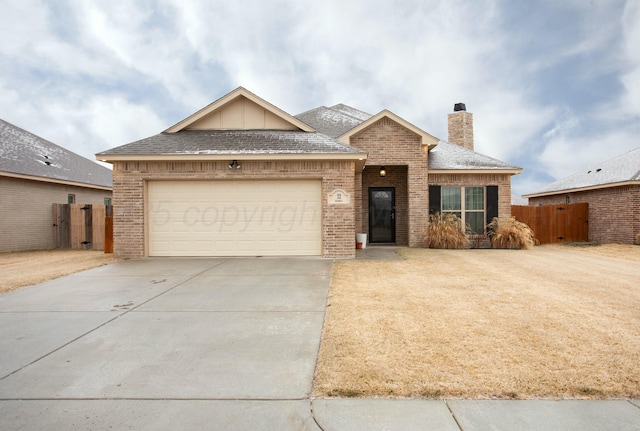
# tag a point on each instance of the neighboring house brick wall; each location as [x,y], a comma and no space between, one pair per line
[338,221]
[614,212]
[390,144]
[27,215]
[503,181]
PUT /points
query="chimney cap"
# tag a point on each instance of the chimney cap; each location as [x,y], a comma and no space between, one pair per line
[459,107]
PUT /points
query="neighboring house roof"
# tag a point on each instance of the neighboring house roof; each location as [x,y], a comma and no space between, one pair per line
[25,155]
[447,156]
[619,171]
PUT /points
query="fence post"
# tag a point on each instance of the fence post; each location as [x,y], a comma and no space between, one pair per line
[108,234]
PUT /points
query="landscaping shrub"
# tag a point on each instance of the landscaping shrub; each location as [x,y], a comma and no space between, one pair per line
[445,231]
[507,232]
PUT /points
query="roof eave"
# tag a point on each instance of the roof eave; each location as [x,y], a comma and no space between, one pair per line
[509,171]
[358,158]
[226,156]
[583,189]
[54,181]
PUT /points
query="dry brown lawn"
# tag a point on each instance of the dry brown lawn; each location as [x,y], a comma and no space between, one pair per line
[25,268]
[551,322]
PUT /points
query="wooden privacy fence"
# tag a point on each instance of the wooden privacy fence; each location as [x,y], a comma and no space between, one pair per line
[83,227]
[555,223]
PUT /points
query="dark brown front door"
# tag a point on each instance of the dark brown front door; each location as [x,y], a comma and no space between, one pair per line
[382,214]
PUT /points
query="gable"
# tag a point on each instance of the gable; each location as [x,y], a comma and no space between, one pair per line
[426,139]
[240,110]
[241,114]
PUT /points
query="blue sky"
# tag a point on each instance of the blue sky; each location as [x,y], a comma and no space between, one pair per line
[554,86]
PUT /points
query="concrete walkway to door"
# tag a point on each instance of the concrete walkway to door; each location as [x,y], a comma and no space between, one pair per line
[165,344]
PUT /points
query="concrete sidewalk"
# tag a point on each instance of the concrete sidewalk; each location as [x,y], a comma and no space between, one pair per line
[476,415]
[229,344]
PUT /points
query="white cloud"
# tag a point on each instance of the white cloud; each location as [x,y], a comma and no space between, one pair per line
[131,121]
[116,71]
[631,79]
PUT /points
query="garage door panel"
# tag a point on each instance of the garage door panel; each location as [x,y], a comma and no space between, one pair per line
[234,218]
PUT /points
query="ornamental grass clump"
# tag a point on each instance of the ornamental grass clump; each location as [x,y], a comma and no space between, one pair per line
[507,232]
[445,231]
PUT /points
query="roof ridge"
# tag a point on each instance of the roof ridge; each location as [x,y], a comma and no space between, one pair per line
[333,108]
[311,110]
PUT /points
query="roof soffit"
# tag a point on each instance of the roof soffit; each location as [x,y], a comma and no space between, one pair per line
[228,100]
[427,139]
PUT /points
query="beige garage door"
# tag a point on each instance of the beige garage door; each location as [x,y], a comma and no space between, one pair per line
[234,218]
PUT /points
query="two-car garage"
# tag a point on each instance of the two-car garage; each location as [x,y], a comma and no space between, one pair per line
[234,217]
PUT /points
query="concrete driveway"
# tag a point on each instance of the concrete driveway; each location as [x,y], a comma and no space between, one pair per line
[165,344]
[222,344]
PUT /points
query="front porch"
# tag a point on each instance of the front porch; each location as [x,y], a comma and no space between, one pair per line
[384,209]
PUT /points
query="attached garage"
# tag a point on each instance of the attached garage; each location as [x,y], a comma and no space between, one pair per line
[240,177]
[234,218]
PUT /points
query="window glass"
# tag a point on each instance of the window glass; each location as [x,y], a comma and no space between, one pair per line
[474,198]
[467,203]
[71,199]
[451,199]
[475,221]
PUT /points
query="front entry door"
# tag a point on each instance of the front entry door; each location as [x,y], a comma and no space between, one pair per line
[382,214]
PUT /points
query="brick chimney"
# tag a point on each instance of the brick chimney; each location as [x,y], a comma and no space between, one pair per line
[461,126]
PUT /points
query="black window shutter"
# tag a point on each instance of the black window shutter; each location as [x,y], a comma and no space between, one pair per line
[492,203]
[434,199]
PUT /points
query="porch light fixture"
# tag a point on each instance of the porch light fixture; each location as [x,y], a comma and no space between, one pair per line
[234,164]
[383,171]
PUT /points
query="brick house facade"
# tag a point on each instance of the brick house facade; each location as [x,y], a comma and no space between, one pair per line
[242,139]
[612,190]
[614,213]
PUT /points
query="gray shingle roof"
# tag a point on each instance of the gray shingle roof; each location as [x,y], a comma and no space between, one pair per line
[451,156]
[333,121]
[24,153]
[234,142]
[339,119]
[329,122]
[623,168]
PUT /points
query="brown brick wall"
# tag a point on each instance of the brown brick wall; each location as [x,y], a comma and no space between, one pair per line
[338,221]
[503,181]
[614,212]
[461,129]
[401,151]
[27,215]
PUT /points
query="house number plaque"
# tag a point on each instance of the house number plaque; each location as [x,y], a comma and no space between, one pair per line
[339,197]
